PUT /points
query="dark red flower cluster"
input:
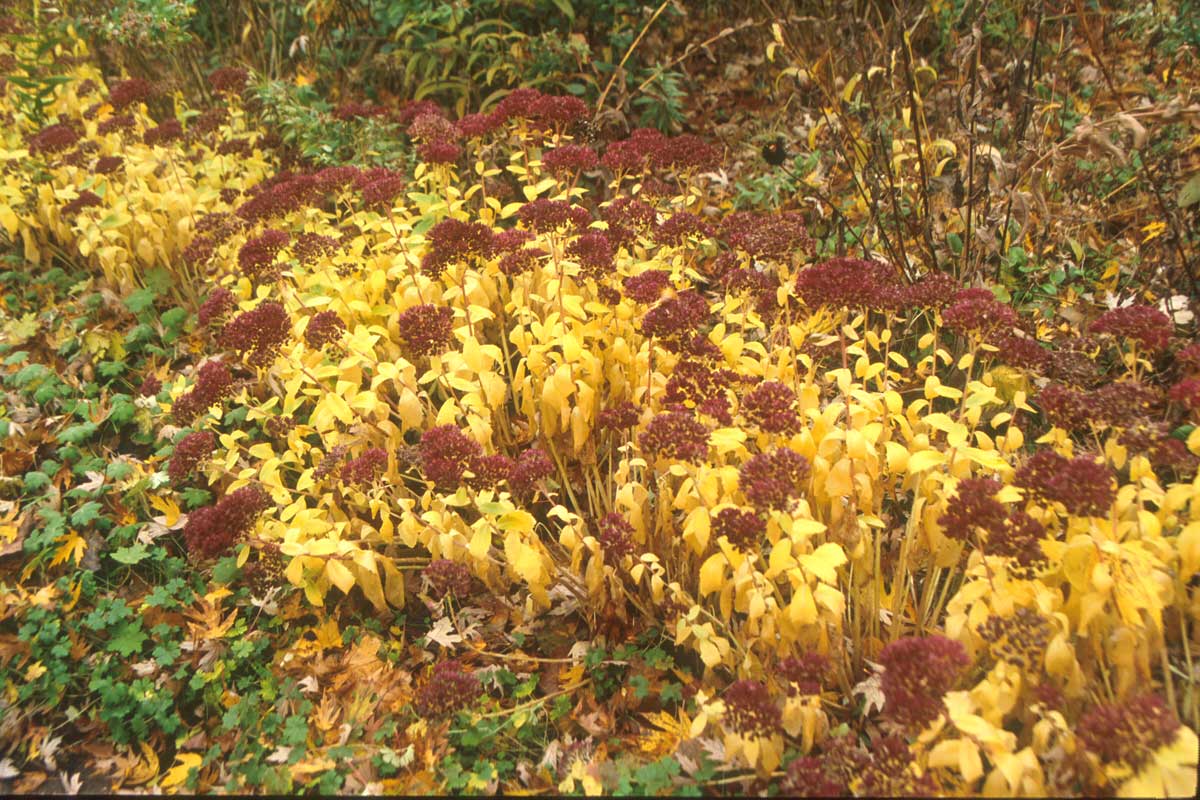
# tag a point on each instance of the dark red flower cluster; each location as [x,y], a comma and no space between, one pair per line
[448,689]
[446,578]
[626,217]
[239,147]
[647,148]
[190,451]
[53,139]
[546,216]
[918,671]
[933,290]
[446,454]
[648,286]
[679,227]
[594,253]
[762,286]
[887,773]
[1118,404]
[693,382]
[279,426]
[533,466]
[380,192]
[166,132]
[978,311]
[1084,486]
[125,93]
[212,230]
[439,152]
[476,126]
[510,240]
[542,111]
[150,387]
[86,199]
[258,334]
[1020,639]
[518,262]
[106,165]
[216,306]
[208,122]
[438,137]
[850,283]
[1128,732]
[974,505]
[212,530]
[675,435]
[1186,393]
[772,407]
[806,777]
[213,384]
[324,327]
[228,80]
[1189,357]
[769,236]
[772,480]
[619,417]
[742,527]
[366,468]
[117,122]
[750,710]
[488,472]
[806,673]
[288,191]
[453,241]
[568,159]
[426,329]
[354,109]
[330,461]
[615,535]
[309,248]
[1150,328]
[1023,352]
[1013,534]
[676,317]
[257,256]
[412,109]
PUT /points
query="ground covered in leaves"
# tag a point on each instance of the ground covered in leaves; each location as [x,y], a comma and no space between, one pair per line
[828,429]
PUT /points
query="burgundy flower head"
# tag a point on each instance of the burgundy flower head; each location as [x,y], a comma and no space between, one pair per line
[324,328]
[448,689]
[1081,484]
[743,528]
[772,407]
[675,435]
[1149,327]
[1129,731]
[213,384]
[772,480]
[447,453]
[427,329]
[750,710]
[190,451]
[447,578]
[259,333]
[918,671]
[213,529]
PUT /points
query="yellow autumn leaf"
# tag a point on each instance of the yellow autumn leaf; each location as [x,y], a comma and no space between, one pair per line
[925,459]
[184,764]
[824,561]
[712,574]
[339,575]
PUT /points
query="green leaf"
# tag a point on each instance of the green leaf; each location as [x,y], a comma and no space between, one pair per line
[86,514]
[130,555]
[36,481]
[1189,194]
[128,640]
[77,434]
[139,301]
